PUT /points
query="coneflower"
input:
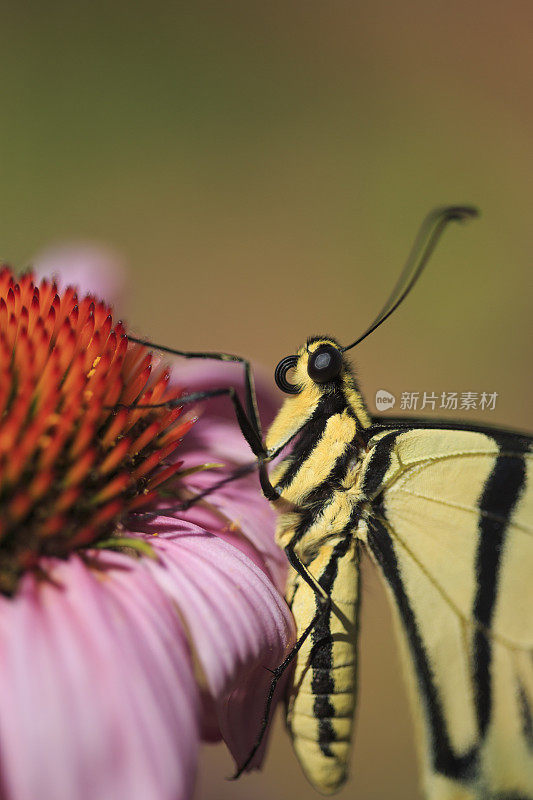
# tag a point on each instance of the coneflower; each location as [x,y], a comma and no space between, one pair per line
[104,609]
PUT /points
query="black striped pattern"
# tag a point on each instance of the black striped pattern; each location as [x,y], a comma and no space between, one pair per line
[445,760]
[379,464]
[321,661]
[498,499]
[319,665]
[318,708]
[496,504]
[310,435]
[525,711]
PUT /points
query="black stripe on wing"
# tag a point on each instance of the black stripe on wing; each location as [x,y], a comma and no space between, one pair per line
[509,438]
[460,766]
[378,465]
[525,714]
[498,500]
[509,796]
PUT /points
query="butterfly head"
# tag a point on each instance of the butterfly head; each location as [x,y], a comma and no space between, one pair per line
[318,379]
[318,367]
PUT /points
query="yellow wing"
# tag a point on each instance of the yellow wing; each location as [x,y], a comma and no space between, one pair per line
[448,518]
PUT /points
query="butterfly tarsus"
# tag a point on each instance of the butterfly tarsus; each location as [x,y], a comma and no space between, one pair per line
[239,472]
[250,427]
[277,674]
[324,605]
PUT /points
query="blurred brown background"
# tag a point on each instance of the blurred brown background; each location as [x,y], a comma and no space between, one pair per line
[263,168]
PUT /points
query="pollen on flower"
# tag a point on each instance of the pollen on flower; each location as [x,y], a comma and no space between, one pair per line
[71,468]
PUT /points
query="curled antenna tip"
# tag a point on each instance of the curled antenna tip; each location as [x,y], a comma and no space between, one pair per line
[461,212]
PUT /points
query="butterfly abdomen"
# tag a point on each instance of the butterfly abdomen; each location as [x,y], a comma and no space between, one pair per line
[320,707]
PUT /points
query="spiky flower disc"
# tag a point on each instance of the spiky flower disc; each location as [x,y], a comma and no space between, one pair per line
[70,467]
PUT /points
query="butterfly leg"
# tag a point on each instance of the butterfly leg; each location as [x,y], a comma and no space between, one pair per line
[248,420]
[247,431]
[324,603]
[249,384]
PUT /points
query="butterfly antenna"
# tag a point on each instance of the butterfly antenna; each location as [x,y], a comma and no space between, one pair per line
[424,245]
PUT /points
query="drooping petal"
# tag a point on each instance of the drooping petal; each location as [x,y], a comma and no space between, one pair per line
[238,623]
[238,514]
[97,695]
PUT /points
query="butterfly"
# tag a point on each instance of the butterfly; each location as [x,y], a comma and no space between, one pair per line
[445,511]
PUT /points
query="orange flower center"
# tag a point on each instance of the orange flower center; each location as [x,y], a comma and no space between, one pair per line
[71,468]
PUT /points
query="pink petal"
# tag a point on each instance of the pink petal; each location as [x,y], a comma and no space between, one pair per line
[97,695]
[238,623]
[93,268]
[238,514]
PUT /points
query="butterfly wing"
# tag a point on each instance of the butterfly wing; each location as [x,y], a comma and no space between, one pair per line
[449,521]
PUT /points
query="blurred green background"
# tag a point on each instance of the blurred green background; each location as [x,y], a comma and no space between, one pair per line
[263,168]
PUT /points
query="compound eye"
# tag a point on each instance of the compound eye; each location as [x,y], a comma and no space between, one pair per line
[324,364]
